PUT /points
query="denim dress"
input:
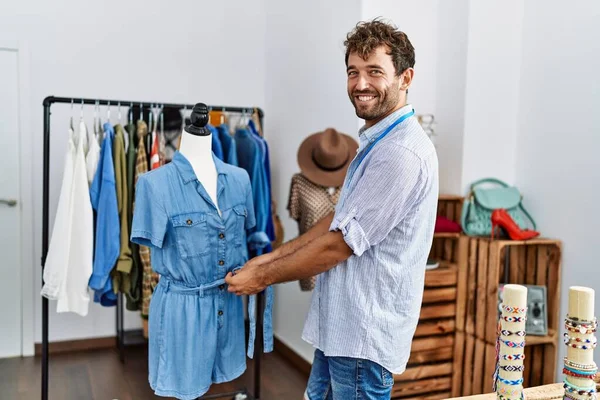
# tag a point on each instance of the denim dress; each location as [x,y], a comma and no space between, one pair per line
[196,327]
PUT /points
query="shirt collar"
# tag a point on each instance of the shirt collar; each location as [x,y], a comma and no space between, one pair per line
[370,134]
[187,172]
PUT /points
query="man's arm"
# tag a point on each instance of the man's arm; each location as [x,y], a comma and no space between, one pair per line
[320,228]
[319,255]
[314,257]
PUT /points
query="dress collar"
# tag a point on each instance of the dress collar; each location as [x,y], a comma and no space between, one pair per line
[187,172]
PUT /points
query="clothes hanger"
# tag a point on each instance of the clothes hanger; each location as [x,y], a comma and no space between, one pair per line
[71,119]
[108,113]
[84,137]
[240,124]
[97,123]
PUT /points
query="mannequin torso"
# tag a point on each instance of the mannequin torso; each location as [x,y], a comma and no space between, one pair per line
[198,151]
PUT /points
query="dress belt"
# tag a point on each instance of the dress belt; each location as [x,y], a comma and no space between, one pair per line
[180,287]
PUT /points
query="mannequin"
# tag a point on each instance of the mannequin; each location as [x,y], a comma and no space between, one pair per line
[196,146]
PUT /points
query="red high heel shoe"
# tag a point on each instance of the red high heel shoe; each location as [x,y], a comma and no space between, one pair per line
[503,219]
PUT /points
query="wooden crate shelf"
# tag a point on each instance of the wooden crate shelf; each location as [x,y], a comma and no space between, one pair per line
[446,235]
[478,366]
[431,371]
[446,275]
[494,262]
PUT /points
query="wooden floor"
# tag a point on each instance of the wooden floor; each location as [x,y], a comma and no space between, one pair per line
[99,375]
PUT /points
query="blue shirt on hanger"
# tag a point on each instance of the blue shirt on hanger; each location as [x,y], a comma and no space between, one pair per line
[196,326]
[250,158]
[228,144]
[270,229]
[103,196]
[217,148]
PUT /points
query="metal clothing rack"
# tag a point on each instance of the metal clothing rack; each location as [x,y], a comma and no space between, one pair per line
[48,101]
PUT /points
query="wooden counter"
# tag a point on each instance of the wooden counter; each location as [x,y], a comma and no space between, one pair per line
[546,392]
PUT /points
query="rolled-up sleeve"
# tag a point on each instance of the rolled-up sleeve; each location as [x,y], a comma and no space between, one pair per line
[390,187]
[150,219]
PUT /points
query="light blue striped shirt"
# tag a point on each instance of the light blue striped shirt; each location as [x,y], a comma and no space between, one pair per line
[368,306]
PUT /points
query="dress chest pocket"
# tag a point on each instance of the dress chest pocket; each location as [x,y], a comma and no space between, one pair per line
[191,234]
[239,224]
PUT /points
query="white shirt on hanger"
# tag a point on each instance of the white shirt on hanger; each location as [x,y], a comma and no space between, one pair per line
[92,156]
[58,250]
[70,255]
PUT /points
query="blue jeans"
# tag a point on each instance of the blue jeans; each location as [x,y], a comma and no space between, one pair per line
[344,378]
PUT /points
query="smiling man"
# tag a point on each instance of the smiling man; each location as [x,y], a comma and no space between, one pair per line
[370,255]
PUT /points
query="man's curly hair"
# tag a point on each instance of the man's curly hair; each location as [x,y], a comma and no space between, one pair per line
[367,36]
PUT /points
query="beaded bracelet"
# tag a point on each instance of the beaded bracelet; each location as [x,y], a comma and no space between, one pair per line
[582,346]
[576,374]
[581,367]
[568,338]
[578,321]
[581,324]
[513,368]
[581,371]
[515,319]
[509,333]
[569,396]
[512,357]
[514,310]
[513,344]
[578,389]
[582,329]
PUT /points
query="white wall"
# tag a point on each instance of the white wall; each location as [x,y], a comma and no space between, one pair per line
[306,93]
[492,90]
[438,31]
[557,163]
[180,51]
[451,72]
[409,17]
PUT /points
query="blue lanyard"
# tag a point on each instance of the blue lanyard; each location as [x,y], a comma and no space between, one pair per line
[366,151]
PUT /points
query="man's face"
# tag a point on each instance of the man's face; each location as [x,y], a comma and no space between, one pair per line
[373,86]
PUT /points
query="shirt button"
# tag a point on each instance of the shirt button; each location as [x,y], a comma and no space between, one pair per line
[221,262]
[221,287]
[221,235]
[220,312]
[189,221]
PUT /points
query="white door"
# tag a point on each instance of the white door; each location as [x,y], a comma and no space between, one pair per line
[10,210]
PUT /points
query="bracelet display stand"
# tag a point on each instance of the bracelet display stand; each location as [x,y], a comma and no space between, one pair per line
[508,377]
[580,325]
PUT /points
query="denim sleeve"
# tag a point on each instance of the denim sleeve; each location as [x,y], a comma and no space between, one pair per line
[149,216]
[251,218]
[257,239]
[389,189]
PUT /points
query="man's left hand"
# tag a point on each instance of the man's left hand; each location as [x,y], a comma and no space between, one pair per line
[248,280]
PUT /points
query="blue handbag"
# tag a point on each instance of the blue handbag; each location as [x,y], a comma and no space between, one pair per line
[481,202]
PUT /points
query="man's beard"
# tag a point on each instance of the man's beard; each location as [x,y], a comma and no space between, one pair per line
[381,105]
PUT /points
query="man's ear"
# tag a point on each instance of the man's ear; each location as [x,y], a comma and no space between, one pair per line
[406,78]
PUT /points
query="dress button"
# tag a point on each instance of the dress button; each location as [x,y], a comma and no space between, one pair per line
[189,221]
[221,262]
[220,312]
[221,236]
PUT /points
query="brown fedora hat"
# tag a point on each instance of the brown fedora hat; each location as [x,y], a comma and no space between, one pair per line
[324,157]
